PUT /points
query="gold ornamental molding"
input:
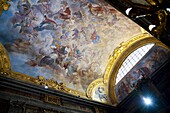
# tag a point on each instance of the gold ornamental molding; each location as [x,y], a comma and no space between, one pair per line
[119,55]
[5,65]
[4,5]
[93,87]
[5,70]
[50,83]
[118,52]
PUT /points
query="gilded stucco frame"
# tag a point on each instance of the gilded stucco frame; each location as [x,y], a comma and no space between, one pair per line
[92,88]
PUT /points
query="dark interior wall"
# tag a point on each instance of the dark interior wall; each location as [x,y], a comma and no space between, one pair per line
[20,97]
[157,88]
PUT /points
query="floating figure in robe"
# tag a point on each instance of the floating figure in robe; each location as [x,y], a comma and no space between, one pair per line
[47,24]
[95,38]
[101,94]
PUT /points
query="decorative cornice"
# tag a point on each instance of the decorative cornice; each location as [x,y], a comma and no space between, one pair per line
[5,70]
[50,83]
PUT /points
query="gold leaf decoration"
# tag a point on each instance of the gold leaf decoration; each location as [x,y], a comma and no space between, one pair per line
[4,5]
[118,52]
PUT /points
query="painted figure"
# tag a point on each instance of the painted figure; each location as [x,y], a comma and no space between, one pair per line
[101,95]
[95,38]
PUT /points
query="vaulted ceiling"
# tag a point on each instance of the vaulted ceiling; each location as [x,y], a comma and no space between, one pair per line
[70,41]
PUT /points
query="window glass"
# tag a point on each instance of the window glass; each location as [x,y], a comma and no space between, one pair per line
[132,60]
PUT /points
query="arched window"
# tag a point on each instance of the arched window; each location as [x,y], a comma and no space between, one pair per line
[132,60]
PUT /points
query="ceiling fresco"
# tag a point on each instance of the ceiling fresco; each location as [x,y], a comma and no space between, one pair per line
[69,41]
